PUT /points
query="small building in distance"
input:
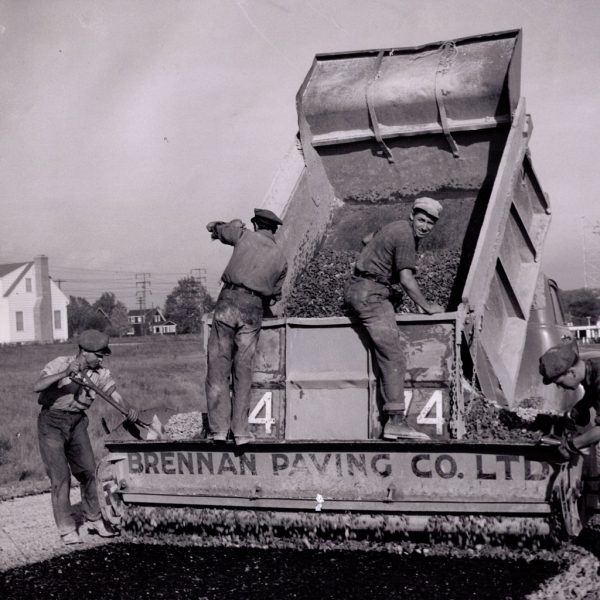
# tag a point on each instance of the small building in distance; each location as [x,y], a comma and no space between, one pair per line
[150,321]
[32,307]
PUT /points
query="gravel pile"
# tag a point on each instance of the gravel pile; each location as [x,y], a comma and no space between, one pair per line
[485,420]
[185,426]
[319,289]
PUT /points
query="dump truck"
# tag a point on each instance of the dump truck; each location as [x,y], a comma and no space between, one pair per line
[377,129]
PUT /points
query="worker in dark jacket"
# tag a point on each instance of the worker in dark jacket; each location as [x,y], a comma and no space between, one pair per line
[253,278]
[62,431]
[563,366]
[390,256]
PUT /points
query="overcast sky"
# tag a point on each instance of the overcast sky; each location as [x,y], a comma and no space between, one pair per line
[127,125]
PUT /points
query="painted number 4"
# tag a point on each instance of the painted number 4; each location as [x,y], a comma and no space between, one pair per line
[432,412]
[267,420]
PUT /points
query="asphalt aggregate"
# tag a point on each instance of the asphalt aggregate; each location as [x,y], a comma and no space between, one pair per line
[130,570]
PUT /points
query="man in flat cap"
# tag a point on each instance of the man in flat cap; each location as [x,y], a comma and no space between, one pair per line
[390,256]
[251,281]
[562,366]
[62,431]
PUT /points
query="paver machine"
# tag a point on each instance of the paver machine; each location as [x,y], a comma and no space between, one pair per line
[377,129]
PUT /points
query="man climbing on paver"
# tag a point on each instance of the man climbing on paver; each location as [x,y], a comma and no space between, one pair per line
[563,366]
[390,256]
[252,279]
[62,431]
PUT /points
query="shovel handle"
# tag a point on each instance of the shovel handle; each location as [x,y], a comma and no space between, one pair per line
[86,382]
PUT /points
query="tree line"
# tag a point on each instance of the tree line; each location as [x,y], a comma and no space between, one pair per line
[185,306]
[581,304]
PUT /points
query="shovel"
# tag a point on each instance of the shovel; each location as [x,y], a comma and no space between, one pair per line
[154,430]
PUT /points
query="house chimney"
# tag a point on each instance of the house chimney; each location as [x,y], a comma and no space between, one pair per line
[42,309]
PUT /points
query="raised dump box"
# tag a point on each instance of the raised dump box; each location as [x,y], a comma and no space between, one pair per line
[377,129]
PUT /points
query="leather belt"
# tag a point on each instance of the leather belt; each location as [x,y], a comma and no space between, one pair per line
[370,276]
[241,288]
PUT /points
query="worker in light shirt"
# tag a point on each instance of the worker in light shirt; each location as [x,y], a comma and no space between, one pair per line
[62,431]
[389,257]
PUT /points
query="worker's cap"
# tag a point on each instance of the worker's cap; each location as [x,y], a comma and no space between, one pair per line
[263,214]
[557,361]
[92,340]
[429,206]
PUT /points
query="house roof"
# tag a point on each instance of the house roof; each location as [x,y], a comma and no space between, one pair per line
[10,267]
[16,282]
[136,312]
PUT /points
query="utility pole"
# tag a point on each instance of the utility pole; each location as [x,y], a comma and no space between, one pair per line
[142,281]
[591,252]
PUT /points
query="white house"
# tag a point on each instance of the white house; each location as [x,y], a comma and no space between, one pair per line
[32,307]
[151,320]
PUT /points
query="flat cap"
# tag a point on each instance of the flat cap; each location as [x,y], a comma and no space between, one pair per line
[558,360]
[92,340]
[266,215]
[428,205]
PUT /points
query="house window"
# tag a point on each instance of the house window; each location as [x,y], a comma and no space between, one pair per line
[28,284]
[57,320]
[19,315]
[157,318]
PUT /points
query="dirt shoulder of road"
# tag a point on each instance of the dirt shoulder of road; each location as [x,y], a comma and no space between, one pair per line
[28,533]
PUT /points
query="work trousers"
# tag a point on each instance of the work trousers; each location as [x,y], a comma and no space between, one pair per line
[230,359]
[65,448]
[370,302]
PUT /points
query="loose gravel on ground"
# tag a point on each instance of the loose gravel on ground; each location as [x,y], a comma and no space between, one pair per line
[34,564]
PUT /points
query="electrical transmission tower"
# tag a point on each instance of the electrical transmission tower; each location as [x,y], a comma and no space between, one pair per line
[142,281]
[591,253]
[199,275]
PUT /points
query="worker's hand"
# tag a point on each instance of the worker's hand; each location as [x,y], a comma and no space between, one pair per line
[567,449]
[133,414]
[212,227]
[76,366]
[435,309]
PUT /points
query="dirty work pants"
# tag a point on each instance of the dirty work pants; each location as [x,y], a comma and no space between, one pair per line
[230,357]
[65,448]
[370,302]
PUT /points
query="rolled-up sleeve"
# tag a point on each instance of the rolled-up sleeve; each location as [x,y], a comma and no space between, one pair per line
[230,233]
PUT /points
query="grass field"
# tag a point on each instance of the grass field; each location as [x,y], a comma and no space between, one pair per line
[149,372]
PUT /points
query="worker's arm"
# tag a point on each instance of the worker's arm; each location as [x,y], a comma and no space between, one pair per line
[45,381]
[589,437]
[132,413]
[276,296]
[411,287]
[227,233]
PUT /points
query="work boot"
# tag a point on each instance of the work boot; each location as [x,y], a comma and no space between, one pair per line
[397,428]
[218,436]
[100,528]
[71,538]
[243,438]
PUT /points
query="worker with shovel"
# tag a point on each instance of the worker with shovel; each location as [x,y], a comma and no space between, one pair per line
[561,365]
[62,430]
